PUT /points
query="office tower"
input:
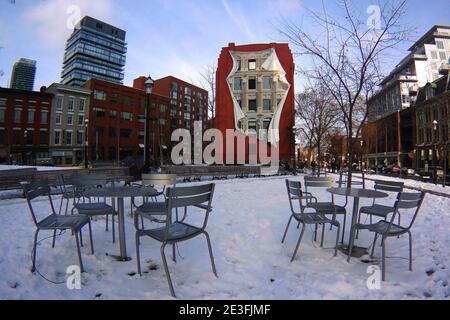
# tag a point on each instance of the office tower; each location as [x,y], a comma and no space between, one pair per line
[95,50]
[22,75]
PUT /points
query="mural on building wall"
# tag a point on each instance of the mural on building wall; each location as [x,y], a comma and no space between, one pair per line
[269,83]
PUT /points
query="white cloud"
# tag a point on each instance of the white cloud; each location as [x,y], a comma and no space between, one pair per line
[49,20]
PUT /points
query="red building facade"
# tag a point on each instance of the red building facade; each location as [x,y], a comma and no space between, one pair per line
[24,126]
[255,90]
[116,122]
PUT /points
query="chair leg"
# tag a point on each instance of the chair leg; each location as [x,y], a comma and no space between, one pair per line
[60,205]
[166,269]
[287,228]
[359,222]
[113,229]
[107,218]
[33,266]
[374,244]
[81,238]
[315,232]
[337,240]
[410,251]
[138,255]
[323,236]
[174,254]
[54,238]
[211,256]
[383,263]
[298,242]
[298,225]
[79,252]
[343,228]
[90,236]
[67,206]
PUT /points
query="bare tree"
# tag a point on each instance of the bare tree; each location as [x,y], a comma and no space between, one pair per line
[346,52]
[317,115]
[208,82]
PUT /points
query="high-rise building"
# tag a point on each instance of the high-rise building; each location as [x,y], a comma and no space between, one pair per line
[254,91]
[22,75]
[95,50]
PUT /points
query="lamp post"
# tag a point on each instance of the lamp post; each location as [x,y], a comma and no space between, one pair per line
[436,148]
[362,158]
[25,136]
[294,166]
[86,143]
[148,90]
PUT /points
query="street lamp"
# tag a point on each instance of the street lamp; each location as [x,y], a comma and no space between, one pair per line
[86,143]
[362,158]
[25,136]
[294,166]
[148,90]
[435,128]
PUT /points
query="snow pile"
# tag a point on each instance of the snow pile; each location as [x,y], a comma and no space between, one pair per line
[246,227]
[4,167]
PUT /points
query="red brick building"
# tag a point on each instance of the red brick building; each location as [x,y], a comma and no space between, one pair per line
[255,90]
[188,103]
[116,122]
[24,126]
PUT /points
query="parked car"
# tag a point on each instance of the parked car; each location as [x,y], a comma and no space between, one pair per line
[392,169]
[408,172]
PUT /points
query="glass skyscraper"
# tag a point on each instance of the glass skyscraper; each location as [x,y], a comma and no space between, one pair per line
[22,75]
[94,50]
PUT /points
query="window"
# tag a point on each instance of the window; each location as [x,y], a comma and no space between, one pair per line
[141,135]
[82,105]
[433,55]
[58,119]
[405,99]
[2,137]
[112,114]
[68,138]
[17,114]
[44,117]
[162,121]
[70,119]
[16,137]
[112,132]
[2,102]
[114,97]
[442,55]
[31,116]
[127,116]
[266,124]
[29,136]
[99,112]
[252,64]
[80,120]
[439,44]
[162,108]
[125,133]
[128,101]
[237,84]
[99,95]
[80,137]
[43,137]
[252,125]
[2,115]
[239,65]
[252,105]
[59,103]
[71,105]
[252,83]
[267,83]
[267,104]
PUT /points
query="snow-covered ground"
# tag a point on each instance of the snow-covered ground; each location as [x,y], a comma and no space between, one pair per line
[246,227]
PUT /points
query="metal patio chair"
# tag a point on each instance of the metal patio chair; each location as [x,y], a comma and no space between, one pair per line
[67,192]
[92,206]
[387,229]
[197,197]
[356,180]
[326,207]
[294,189]
[381,210]
[54,222]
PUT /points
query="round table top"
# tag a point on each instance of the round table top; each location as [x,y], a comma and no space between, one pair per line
[358,193]
[120,192]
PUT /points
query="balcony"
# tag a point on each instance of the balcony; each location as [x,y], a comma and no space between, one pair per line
[444,68]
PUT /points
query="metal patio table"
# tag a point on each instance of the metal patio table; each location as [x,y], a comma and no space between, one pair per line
[355,193]
[120,193]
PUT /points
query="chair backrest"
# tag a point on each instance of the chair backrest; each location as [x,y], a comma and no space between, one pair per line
[408,201]
[34,190]
[356,179]
[319,182]
[294,190]
[84,182]
[159,179]
[183,197]
[392,186]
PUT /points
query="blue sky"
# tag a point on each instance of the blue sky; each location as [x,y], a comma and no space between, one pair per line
[176,37]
